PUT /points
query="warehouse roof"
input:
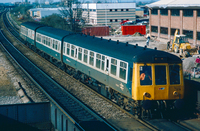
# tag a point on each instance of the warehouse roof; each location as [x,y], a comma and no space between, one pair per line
[175,4]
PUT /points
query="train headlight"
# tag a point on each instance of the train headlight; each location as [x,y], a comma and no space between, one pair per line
[175,93]
[146,94]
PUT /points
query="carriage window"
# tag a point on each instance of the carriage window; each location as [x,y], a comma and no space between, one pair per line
[53,44]
[48,43]
[113,66]
[80,53]
[160,75]
[98,60]
[145,75]
[174,74]
[91,58]
[64,47]
[72,50]
[44,40]
[37,37]
[68,49]
[103,62]
[85,55]
[56,45]
[122,71]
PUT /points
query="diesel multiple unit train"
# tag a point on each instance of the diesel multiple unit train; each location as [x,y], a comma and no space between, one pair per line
[130,75]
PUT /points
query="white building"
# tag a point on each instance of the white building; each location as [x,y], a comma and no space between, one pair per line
[108,13]
[43,12]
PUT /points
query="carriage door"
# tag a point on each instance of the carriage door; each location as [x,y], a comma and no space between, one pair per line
[107,69]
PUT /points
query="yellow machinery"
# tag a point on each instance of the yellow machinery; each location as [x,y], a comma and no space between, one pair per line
[180,42]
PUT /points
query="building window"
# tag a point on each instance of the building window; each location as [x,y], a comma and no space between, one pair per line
[188,12]
[127,9]
[163,11]
[90,9]
[110,10]
[198,35]
[198,13]
[116,20]
[154,12]
[175,12]
[173,31]
[188,33]
[115,9]
[110,20]
[122,9]
[127,19]
[164,30]
[122,19]
[154,29]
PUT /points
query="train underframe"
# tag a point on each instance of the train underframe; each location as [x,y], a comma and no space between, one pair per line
[144,109]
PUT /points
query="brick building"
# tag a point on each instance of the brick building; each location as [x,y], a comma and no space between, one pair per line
[167,16]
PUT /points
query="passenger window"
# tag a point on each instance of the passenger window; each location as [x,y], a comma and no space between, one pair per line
[113,66]
[160,75]
[72,50]
[64,48]
[122,71]
[56,45]
[103,63]
[68,49]
[145,75]
[91,58]
[85,56]
[98,60]
[80,53]
[53,44]
[174,74]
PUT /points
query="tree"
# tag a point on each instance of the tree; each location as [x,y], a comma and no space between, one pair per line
[55,21]
[73,13]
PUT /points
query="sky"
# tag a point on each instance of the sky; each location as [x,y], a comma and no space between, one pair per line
[8,1]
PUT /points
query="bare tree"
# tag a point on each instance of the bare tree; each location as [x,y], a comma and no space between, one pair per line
[42,1]
[50,1]
[72,11]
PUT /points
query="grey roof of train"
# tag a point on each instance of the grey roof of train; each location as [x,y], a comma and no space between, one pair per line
[32,25]
[53,32]
[120,51]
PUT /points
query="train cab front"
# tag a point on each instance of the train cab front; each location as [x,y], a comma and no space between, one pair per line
[158,85]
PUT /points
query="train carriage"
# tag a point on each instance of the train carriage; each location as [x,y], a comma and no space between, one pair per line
[134,76]
[50,40]
[28,30]
[127,68]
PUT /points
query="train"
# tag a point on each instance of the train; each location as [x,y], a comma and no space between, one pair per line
[137,78]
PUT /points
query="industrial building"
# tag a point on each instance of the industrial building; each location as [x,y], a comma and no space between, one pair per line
[167,16]
[110,14]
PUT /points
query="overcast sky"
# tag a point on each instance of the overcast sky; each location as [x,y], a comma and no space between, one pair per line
[7,1]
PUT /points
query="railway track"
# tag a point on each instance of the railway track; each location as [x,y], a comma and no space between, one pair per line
[146,123]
